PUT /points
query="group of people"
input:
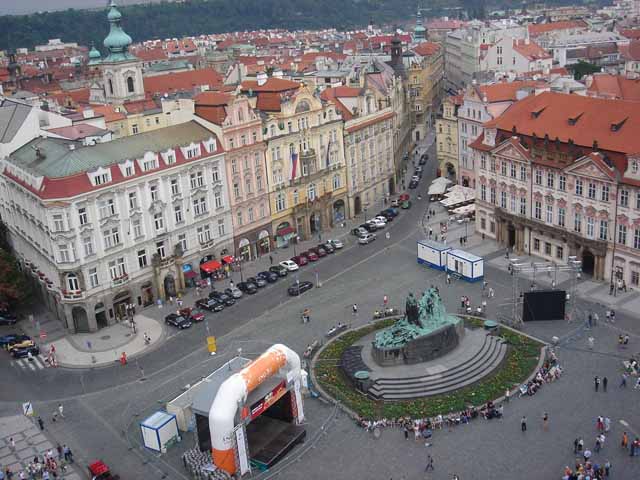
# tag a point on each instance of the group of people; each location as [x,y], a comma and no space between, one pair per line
[46,468]
[587,469]
[549,372]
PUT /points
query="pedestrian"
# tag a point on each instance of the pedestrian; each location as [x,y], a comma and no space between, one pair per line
[613,316]
[430,232]
[507,395]
[596,318]
[605,380]
[59,450]
[545,421]
[607,424]
[61,410]
[607,469]
[575,446]
[491,292]
[406,432]
[429,463]
[448,279]
[523,424]
[231,284]
[600,424]
[271,259]
[580,444]
[170,299]
[591,342]
[40,423]
[12,443]
[355,308]
[625,440]
[596,382]
[607,316]
[637,384]
[623,380]
[586,455]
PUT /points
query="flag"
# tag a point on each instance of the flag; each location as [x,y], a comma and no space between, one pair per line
[294,165]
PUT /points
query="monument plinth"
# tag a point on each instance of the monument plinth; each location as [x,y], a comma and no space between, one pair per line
[425,332]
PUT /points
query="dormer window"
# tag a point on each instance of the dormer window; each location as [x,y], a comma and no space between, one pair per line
[128,171]
[171,158]
[101,176]
[149,165]
[210,145]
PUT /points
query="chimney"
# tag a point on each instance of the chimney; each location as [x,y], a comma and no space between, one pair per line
[262,78]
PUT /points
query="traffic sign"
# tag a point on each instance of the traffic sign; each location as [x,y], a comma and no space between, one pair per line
[211,345]
[43,335]
[27,409]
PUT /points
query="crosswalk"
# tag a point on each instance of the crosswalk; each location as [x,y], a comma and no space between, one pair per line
[36,363]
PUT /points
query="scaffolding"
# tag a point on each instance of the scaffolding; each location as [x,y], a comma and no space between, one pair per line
[518,269]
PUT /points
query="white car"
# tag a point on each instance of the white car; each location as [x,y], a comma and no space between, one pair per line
[290,265]
[368,238]
[382,219]
[337,244]
[377,223]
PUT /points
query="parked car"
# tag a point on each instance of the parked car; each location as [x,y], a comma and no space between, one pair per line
[257,281]
[300,260]
[5,340]
[418,170]
[222,297]
[177,321]
[377,222]
[210,304]
[289,265]
[327,247]
[381,218]
[359,231]
[319,251]
[413,184]
[7,318]
[368,238]
[369,227]
[270,277]
[311,255]
[391,212]
[386,215]
[395,202]
[193,314]
[337,244]
[299,288]
[24,351]
[404,197]
[423,160]
[20,341]
[406,205]
[279,270]
[233,292]
[415,178]
[247,287]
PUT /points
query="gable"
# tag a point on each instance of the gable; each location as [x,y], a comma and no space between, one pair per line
[588,167]
[511,149]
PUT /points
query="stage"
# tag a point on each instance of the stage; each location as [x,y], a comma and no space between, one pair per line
[271,439]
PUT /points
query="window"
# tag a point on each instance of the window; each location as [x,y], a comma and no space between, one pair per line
[221,228]
[254,136]
[578,187]
[549,214]
[551,180]
[503,199]
[577,223]
[135,129]
[111,237]
[65,255]
[622,234]
[82,216]
[624,198]
[234,166]
[523,205]
[562,183]
[259,182]
[561,216]
[177,210]
[130,86]
[547,248]
[503,168]
[635,277]
[182,241]
[280,202]
[153,191]
[93,277]
[87,243]
[117,268]
[171,158]
[336,181]
[160,250]
[537,210]
[263,210]
[100,179]
[236,189]
[215,173]
[604,229]
[536,244]
[538,177]
[591,192]
[523,173]
[197,179]
[204,233]
[149,164]
[137,227]
[512,170]
[493,195]
[217,198]
[250,214]
[604,193]
[559,253]
[193,152]
[239,218]
[133,200]
[483,223]
[107,208]
[142,258]
[158,221]
[58,223]
[175,186]
[199,206]
[590,227]
[636,238]
[483,193]
[247,185]
[638,200]
[492,164]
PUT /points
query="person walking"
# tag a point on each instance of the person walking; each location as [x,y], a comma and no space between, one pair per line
[575,446]
[580,444]
[60,410]
[623,380]
[545,421]
[12,443]
[60,452]
[271,259]
[607,469]
[406,432]
[607,424]
[507,396]
[40,423]
[637,384]
[523,424]
[355,308]
[596,382]
[429,464]
[605,380]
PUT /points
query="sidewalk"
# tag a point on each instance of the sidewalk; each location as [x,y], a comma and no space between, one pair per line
[30,441]
[105,346]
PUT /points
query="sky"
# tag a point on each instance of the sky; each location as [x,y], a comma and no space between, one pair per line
[16,7]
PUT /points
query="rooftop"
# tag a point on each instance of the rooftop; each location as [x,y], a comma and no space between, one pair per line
[12,116]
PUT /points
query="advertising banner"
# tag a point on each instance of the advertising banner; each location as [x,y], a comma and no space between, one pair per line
[242,450]
[269,399]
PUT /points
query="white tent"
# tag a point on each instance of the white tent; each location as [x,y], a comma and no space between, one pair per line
[437,189]
[465,209]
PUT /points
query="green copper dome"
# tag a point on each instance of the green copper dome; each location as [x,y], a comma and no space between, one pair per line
[117,42]
[94,53]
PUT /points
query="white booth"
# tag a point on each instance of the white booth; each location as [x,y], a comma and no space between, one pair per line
[470,267]
[433,254]
[158,430]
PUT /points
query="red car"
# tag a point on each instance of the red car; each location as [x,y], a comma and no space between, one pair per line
[193,314]
[300,260]
[311,255]
[319,251]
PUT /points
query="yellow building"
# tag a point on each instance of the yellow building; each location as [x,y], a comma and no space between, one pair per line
[447,137]
[425,81]
[304,155]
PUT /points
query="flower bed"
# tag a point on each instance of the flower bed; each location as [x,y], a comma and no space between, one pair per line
[520,361]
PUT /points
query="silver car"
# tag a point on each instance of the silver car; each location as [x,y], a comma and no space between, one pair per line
[337,244]
[233,292]
[368,238]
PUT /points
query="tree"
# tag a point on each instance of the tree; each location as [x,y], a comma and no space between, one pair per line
[13,284]
[581,69]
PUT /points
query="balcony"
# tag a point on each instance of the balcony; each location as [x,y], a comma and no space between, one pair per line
[72,295]
[122,280]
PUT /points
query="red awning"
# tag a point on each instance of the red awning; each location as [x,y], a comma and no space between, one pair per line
[190,274]
[285,231]
[210,266]
[228,259]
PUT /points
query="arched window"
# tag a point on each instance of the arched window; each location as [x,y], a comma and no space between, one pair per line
[72,282]
[110,86]
[130,86]
[311,192]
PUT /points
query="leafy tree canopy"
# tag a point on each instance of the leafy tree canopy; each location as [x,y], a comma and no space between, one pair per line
[13,285]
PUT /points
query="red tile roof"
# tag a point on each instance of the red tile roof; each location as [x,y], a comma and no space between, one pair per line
[211,106]
[271,85]
[615,86]
[633,33]
[426,49]
[269,102]
[182,81]
[109,113]
[78,131]
[630,52]
[373,121]
[582,119]
[334,95]
[530,50]
[149,55]
[540,28]
[506,91]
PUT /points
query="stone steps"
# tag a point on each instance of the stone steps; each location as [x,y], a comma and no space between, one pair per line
[481,364]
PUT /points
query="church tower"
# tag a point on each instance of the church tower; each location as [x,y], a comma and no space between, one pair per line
[419,32]
[121,71]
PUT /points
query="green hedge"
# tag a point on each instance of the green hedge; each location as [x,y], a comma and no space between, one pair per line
[520,361]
